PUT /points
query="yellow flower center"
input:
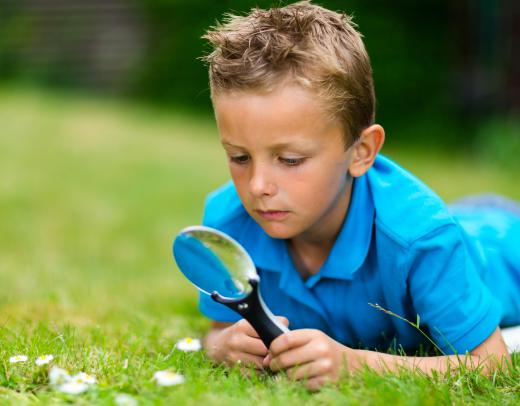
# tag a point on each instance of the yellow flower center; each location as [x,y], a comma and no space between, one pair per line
[189,340]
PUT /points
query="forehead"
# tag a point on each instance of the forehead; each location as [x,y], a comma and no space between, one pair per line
[285,110]
[298,96]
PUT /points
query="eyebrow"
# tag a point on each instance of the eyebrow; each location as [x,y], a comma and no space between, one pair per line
[274,147]
[230,144]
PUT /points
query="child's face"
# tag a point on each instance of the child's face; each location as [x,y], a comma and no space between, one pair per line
[287,160]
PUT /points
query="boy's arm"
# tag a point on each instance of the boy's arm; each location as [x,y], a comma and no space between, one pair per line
[312,356]
[488,356]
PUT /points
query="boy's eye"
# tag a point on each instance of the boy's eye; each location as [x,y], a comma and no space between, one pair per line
[291,161]
[239,159]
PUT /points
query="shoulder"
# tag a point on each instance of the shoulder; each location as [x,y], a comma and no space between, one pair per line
[224,211]
[406,209]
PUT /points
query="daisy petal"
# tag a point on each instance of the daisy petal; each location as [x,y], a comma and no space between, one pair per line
[73,387]
[168,378]
[82,377]
[188,344]
[58,376]
[123,399]
[44,359]
[18,358]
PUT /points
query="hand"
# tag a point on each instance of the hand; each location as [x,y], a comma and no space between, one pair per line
[308,355]
[238,344]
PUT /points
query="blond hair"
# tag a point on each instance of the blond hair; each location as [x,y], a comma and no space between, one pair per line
[317,48]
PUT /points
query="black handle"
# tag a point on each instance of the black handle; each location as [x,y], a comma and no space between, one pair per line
[253,309]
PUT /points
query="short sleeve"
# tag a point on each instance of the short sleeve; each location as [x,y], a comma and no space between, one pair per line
[448,293]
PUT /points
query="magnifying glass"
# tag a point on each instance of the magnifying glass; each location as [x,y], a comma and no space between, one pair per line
[220,267]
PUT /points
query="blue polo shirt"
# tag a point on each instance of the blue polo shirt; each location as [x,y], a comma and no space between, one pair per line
[399,247]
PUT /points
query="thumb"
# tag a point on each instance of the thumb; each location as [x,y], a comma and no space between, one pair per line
[284,320]
[266,361]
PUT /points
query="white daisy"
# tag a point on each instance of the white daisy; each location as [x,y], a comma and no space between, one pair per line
[73,387]
[188,344]
[58,376]
[18,358]
[44,359]
[123,399]
[84,378]
[168,378]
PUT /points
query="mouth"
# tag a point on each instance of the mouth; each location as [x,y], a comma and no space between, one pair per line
[272,214]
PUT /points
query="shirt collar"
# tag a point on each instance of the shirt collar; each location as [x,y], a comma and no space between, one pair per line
[348,252]
[353,242]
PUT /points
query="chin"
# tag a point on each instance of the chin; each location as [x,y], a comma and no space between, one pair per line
[278,230]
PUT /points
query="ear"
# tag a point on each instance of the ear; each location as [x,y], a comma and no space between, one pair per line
[365,149]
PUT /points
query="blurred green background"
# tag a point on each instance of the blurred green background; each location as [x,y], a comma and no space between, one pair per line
[108,145]
[445,71]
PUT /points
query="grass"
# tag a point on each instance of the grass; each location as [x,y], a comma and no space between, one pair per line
[92,192]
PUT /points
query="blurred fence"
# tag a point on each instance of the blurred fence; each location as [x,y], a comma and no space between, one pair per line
[93,44]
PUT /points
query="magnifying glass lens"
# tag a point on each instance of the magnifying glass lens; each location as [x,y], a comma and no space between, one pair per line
[220,267]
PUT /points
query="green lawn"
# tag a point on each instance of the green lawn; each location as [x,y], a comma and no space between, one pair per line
[91,194]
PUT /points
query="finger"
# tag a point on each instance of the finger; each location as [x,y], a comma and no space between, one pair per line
[266,361]
[316,383]
[283,320]
[243,343]
[248,372]
[248,361]
[291,358]
[245,327]
[302,372]
[321,367]
[291,339]
[244,359]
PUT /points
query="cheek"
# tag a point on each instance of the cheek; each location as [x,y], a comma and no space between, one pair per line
[316,182]
[240,180]
[317,190]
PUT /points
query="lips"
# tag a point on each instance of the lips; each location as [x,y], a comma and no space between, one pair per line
[272,214]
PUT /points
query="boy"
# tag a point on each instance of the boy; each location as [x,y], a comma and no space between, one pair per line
[332,226]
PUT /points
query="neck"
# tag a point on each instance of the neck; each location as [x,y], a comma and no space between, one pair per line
[311,249]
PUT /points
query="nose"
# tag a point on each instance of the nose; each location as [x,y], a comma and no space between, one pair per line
[261,183]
